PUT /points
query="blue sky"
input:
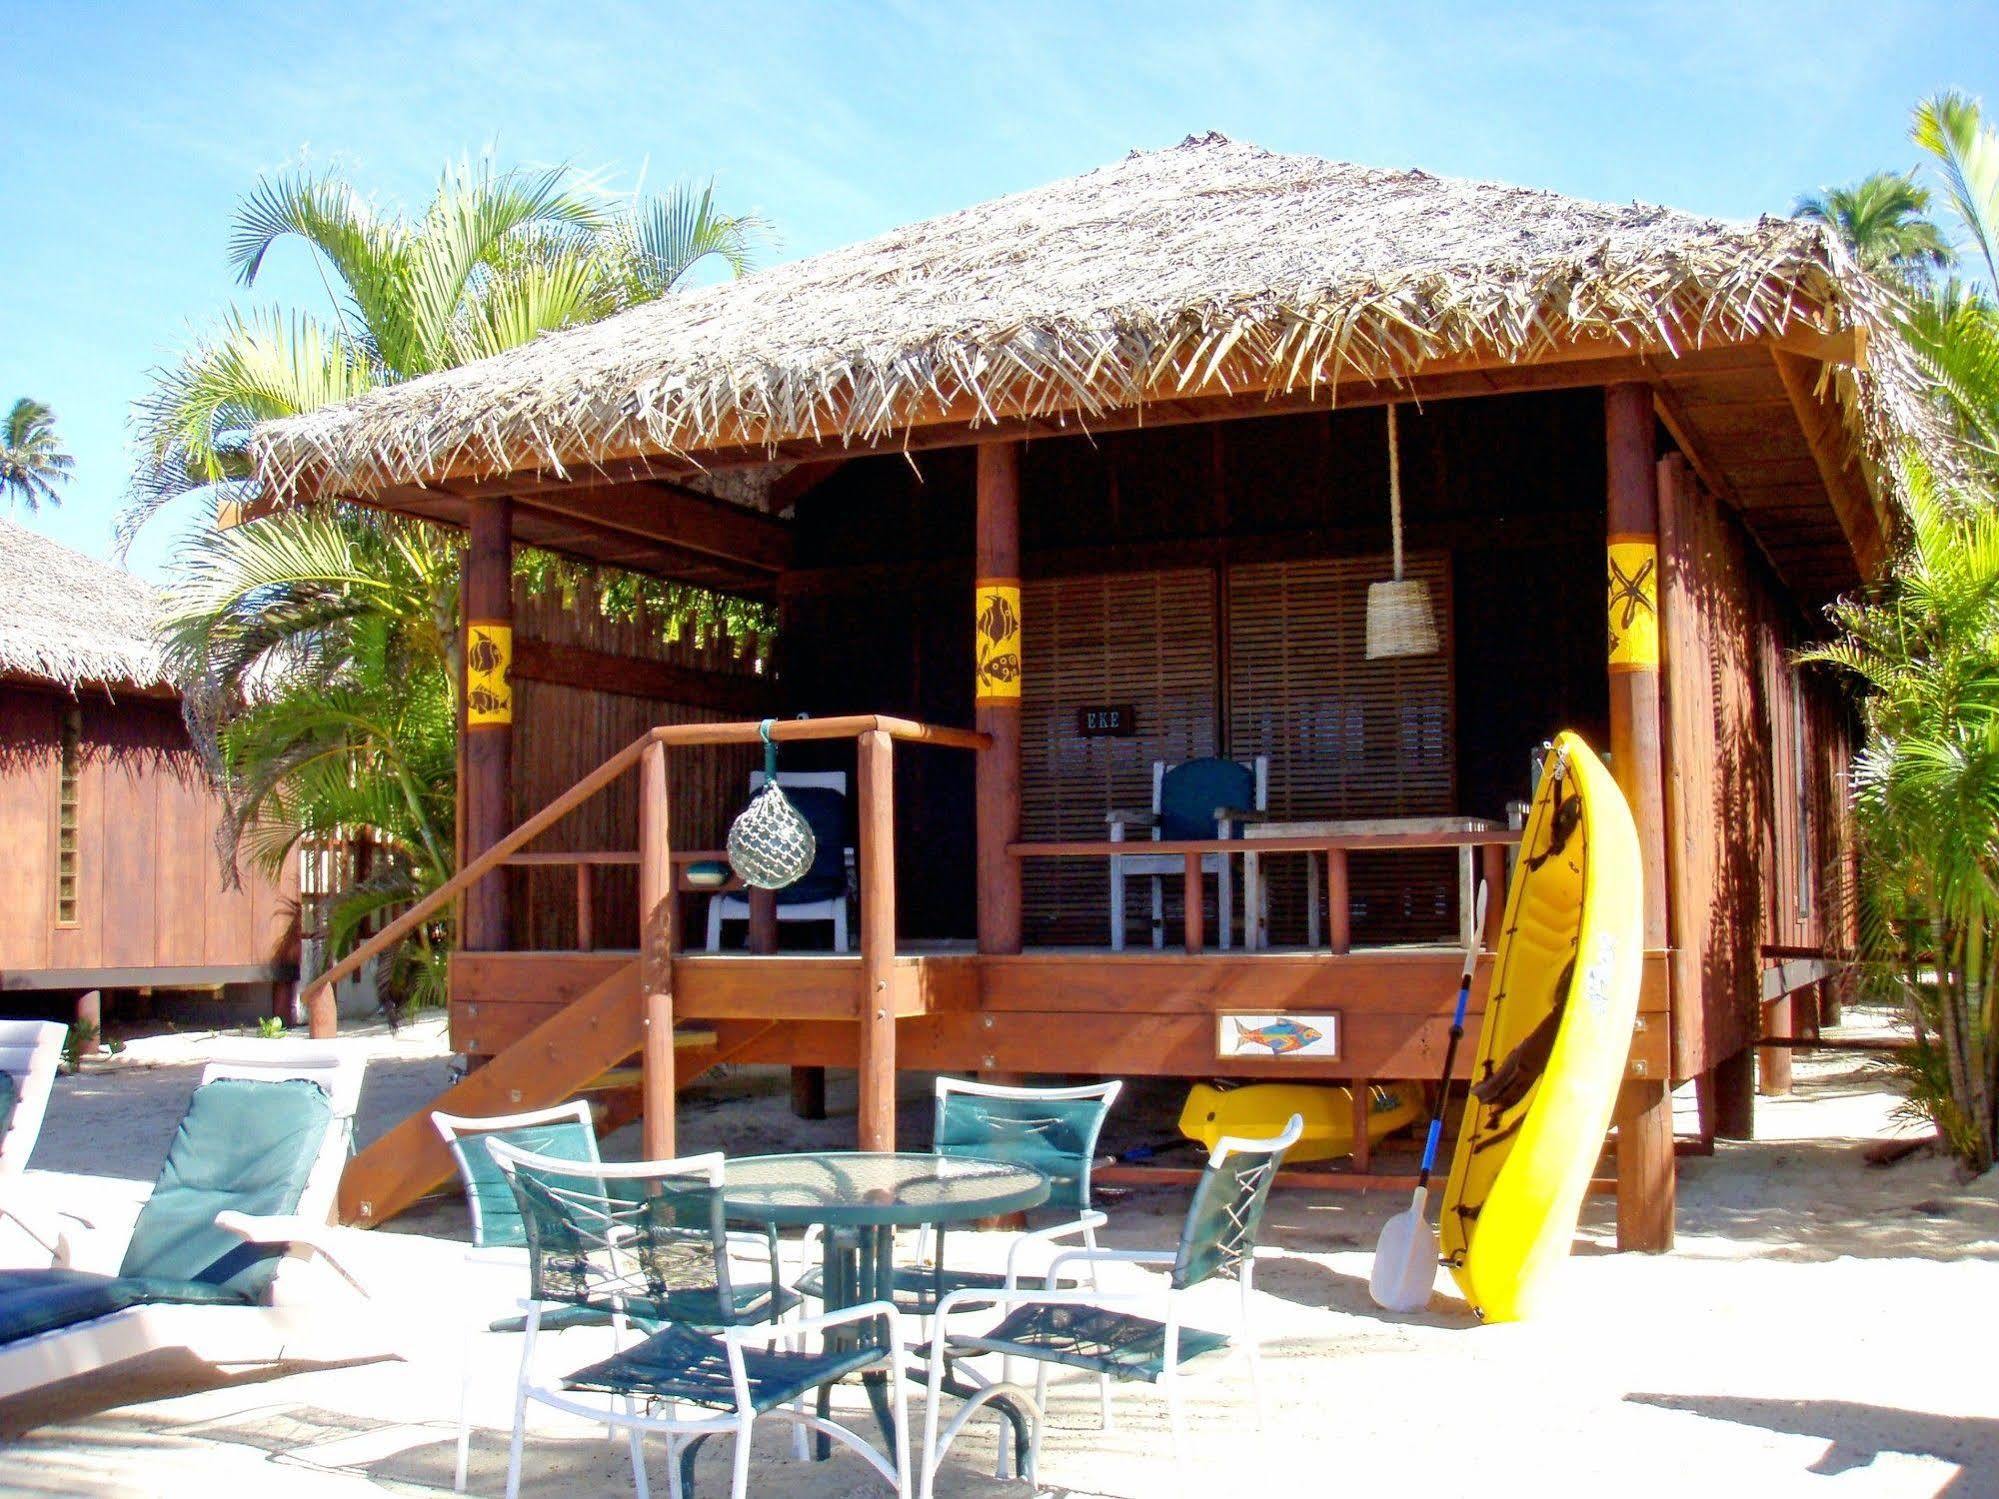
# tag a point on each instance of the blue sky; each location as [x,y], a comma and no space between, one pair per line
[128,132]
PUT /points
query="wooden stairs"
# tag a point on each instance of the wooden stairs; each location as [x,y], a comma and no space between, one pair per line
[581,1049]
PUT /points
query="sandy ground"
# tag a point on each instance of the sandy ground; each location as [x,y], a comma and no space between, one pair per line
[1824,1327]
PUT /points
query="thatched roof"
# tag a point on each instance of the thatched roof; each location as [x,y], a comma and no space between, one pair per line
[1210,265]
[69,619]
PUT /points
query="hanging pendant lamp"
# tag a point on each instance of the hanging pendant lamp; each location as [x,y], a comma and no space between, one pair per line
[1400,621]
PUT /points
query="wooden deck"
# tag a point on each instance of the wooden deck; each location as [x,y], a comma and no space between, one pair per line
[1153,1012]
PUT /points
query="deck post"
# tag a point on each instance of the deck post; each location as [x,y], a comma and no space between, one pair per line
[656,954]
[1645,1183]
[488,697]
[875,757]
[996,694]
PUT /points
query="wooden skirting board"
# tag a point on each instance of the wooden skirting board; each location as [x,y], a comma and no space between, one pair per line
[1126,1014]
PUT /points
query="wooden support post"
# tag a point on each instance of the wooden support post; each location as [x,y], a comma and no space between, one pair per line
[808,1092]
[1339,902]
[1194,912]
[996,634]
[89,1023]
[488,696]
[1645,1183]
[763,920]
[656,900]
[877,1016]
[1492,862]
[586,922]
[1732,1086]
[1363,1106]
[1773,1063]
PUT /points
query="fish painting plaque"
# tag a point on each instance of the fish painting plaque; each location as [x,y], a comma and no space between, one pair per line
[1280,1036]
[489,652]
[996,641]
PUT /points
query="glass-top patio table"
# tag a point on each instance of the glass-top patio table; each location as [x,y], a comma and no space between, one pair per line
[860,1198]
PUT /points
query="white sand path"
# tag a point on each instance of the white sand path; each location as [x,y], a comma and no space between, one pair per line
[1823,1328]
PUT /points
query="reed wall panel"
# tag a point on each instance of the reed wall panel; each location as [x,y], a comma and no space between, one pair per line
[1346,736]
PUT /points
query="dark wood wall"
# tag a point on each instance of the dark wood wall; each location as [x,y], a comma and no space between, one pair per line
[1509,489]
[1756,757]
[564,731]
[150,887]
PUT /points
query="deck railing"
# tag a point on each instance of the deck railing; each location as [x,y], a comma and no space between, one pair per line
[874,735]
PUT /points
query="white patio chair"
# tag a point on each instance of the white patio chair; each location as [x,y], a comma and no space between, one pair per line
[1197,799]
[1107,1333]
[225,1266]
[821,895]
[647,1239]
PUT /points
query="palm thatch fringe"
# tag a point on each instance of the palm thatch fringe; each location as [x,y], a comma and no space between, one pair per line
[69,619]
[1212,265]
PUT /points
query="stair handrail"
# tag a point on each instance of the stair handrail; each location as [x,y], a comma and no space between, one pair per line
[321,1015]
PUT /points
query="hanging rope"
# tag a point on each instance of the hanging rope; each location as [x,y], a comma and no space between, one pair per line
[1395,491]
[770,844]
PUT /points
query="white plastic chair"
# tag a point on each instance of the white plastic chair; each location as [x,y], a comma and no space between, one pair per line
[1108,1333]
[1204,817]
[618,1233]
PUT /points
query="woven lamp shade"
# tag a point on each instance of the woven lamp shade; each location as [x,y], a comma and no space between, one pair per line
[1400,621]
[770,844]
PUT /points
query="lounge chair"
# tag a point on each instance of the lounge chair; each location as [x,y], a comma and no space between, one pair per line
[648,1239]
[1105,1333]
[223,1269]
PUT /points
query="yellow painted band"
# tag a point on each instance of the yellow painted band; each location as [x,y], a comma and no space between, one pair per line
[996,641]
[489,655]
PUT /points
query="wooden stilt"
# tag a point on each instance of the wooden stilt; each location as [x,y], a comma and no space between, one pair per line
[808,1092]
[1339,903]
[656,898]
[89,1023]
[877,1018]
[1645,1136]
[1733,1085]
[1363,1147]
[1773,1063]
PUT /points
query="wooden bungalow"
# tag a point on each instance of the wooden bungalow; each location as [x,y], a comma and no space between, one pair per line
[1135,424]
[110,884]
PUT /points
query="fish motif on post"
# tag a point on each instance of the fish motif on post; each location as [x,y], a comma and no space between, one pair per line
[996,630]
[489,652]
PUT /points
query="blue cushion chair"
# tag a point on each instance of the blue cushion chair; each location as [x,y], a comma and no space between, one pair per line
[1207,798]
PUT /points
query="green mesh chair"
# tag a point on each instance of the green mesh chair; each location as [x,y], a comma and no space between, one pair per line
[647,1241]
[1105,1333]
[498,1236]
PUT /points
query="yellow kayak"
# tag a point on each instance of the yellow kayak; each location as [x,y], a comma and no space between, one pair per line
[1553,1044]
[1261,1110]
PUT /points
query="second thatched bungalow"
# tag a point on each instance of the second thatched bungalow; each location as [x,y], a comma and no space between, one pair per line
[1057,494]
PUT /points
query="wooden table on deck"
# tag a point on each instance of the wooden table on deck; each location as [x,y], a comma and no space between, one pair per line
[1400,832]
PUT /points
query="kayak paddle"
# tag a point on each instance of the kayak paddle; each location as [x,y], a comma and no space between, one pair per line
[1405,1257]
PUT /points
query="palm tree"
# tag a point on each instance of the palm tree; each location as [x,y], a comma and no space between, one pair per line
[1925,794]
[317,646]
[494,260]
[1883,219]
[32,462]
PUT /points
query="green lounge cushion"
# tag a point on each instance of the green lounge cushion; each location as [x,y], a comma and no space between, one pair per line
[678,1363]
[1089,1337]
[10,1094]
[1190,792]
[245,1145]
[496,1214]
[33,1302]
